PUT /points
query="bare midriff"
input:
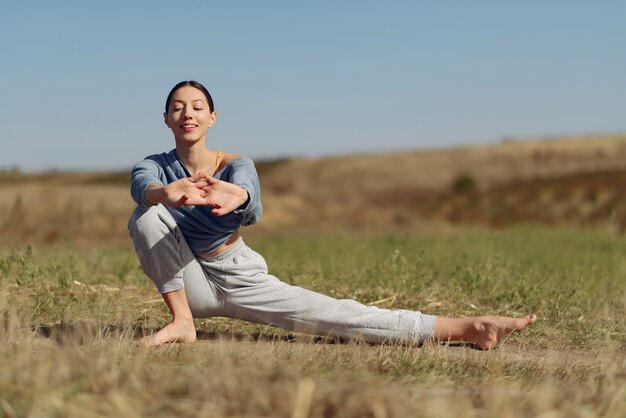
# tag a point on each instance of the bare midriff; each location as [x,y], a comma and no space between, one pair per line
[231,241]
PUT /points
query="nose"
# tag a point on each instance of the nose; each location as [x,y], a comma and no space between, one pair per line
[187,111]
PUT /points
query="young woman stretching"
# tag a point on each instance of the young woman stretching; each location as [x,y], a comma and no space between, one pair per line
[191,203]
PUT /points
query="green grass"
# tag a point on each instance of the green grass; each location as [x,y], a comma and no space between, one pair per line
[68,313]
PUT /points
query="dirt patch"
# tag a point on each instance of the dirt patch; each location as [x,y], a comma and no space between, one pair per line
[517,353]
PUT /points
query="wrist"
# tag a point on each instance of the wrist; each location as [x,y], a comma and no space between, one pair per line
[154,193]
[244,198]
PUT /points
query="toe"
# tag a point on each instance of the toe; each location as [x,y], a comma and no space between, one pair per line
[529,320]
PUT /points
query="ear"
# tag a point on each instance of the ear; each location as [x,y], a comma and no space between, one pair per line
[165,120]
[212,119]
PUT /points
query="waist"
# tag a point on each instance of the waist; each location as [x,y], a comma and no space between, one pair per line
[231,241]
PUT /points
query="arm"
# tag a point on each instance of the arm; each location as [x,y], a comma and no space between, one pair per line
[240,193]
[149,186]
[184,192]
[222,196]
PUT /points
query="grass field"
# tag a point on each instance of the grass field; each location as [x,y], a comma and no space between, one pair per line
[69,314]
[447,232]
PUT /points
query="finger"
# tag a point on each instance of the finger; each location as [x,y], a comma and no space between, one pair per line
[196,201]
[182,201]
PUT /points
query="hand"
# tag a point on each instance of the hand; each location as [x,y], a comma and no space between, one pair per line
[222,196]
[183,192]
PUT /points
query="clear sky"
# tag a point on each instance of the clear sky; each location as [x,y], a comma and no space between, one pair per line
[83,83]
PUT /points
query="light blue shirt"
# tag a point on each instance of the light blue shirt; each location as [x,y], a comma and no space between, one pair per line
[203,231]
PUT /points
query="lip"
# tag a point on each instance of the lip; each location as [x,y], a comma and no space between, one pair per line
[188,127]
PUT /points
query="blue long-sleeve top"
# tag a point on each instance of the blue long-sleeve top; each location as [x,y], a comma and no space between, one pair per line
[203,231]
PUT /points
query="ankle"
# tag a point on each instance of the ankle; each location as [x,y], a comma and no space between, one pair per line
[454,329]
[183,319]
[475,327]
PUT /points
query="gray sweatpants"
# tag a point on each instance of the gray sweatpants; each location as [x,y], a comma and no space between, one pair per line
[236,284]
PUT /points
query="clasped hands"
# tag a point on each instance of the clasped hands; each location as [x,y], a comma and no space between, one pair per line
[205,190]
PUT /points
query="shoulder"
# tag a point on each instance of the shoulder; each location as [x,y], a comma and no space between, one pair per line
[239,170]
[227,158]
[235,160]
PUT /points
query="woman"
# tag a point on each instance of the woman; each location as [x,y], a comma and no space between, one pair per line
[191,203]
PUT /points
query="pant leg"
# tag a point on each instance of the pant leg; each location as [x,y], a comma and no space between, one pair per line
[254,295]
[169,262]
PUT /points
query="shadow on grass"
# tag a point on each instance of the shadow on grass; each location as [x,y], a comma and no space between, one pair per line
[84,332]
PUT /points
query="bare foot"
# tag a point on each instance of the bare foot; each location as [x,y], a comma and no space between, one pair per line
[488,331]
[485,332]
[174,332]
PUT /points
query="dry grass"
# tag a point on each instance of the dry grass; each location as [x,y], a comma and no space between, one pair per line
[110,376]
[69,315]
[404,189]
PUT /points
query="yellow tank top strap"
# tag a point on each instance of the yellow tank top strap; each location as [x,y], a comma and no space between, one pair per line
[218,159]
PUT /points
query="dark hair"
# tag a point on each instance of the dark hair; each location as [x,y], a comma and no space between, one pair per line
[191,83]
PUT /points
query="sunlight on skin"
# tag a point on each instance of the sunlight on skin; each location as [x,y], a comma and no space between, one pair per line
[199,190]
[181,329]
[485,332]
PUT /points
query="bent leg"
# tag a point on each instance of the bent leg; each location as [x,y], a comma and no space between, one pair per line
[169,262]
[256,296]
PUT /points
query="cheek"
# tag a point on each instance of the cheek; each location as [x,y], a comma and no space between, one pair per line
[170,121]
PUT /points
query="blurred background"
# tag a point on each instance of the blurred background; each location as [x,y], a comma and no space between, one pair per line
[360,115]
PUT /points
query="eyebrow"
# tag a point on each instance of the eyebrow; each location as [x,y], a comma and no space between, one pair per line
[181,101]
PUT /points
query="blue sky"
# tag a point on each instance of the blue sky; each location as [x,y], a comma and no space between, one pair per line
[84,83]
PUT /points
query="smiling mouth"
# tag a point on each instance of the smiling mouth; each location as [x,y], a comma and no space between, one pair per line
[188,127]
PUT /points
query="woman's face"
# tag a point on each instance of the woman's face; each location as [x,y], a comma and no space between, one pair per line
[189,115]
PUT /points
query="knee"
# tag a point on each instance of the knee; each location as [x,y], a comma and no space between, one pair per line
[133,219]
[154,221]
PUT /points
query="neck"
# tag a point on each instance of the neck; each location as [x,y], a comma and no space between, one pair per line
[195,156]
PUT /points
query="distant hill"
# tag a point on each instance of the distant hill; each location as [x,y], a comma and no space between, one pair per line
[571,181]
[469,185]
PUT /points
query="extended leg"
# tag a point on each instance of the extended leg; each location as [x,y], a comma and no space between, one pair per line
[255,296]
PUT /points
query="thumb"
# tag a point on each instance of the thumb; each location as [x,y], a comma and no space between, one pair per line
[182,200]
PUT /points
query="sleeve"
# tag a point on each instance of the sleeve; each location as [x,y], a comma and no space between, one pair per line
[143,174]
[244,175]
